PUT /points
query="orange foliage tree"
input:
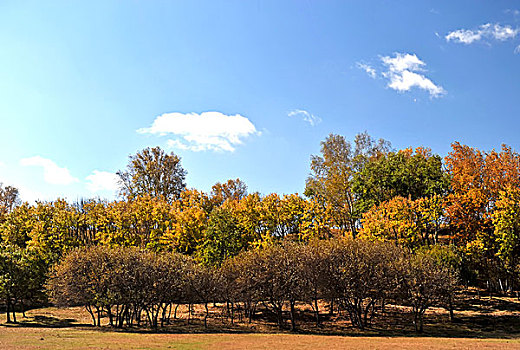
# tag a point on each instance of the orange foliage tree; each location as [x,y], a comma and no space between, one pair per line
[477,178]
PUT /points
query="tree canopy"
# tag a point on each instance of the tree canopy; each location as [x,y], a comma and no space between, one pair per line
[153,172]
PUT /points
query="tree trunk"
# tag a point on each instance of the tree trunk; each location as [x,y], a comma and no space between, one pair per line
[163,314]
[418,318]
[110,316]
[89,309]
[8,313]
[252,310]
[23,308]
[206,315]
[98,310]
[317,312]
[149,317]
[279,316]
[293,321]
[137,313]
[366,311]
[175,312]
[13,309]
[452,317]
[169,313]
[331,307]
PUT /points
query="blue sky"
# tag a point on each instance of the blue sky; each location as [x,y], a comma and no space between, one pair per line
[244,89]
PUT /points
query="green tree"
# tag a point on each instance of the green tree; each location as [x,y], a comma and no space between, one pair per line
[22,274]
[223,238]
[404,173]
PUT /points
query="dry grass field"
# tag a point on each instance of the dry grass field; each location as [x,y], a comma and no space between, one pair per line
[481,323]
[70,338]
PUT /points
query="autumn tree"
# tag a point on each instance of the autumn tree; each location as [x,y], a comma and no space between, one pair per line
[394,220]
[281,217]
[476,181]
[426,281]
[189,221]
[315,261]
[231,189]
[362,273]
[506,222]
[122,283]
[248,214]
[411,223]
[54,229]
[273,276]
[154,172]
[9,199]
[332,175]
[203,287]
[314,221]
[16,228]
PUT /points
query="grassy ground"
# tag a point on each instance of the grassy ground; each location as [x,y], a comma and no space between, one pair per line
[481,323]
[71,338]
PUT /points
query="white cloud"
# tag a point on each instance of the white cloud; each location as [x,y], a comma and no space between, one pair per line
[177,144]
[464,36]
[202,132]
[52,173]
[28,195]
[485,31]
[404,71]
[306,116]
[368,69]
[102,181]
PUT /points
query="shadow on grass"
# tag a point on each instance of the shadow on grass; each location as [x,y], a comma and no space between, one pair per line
[40,321]
[393,323]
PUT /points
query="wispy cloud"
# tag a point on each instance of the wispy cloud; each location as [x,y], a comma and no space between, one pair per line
[517,49]
[403,71]
[514,12]
[367,68]
[102,181]
[486,31]
[207,131]
[52,173]
[306,116]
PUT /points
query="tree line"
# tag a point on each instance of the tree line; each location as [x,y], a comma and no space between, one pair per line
[464,206]
[133,286]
